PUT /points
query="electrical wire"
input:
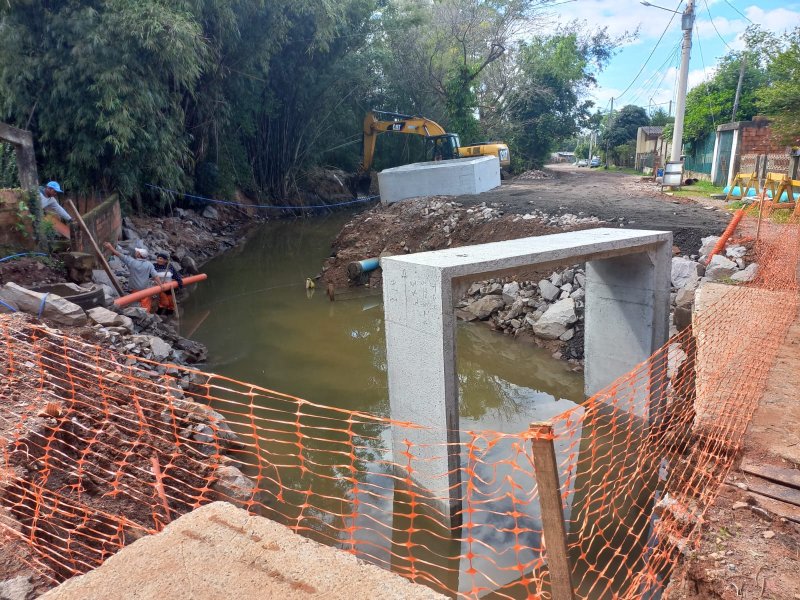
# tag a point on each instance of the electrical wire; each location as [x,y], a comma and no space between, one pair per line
[711,19]
[705,82]
[663,33]
[740,12]
[647,88]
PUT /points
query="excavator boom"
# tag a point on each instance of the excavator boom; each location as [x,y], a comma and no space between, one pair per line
[443,145]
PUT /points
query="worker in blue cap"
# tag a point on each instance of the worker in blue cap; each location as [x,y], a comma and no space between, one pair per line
[48,195]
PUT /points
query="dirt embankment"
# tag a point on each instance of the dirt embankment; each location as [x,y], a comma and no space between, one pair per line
[432,224]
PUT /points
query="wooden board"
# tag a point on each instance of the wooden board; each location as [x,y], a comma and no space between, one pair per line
[773,490]
[788,477]
[776,507]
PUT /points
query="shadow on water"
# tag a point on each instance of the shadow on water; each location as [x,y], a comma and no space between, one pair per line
[336,483]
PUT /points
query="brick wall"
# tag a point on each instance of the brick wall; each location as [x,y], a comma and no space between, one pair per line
[104,222]
[758,139]
[11,237]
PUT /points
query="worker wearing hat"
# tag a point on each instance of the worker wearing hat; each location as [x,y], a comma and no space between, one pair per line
[48,195]
[140,272]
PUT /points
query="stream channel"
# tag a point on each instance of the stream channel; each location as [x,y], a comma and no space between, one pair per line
[262,327]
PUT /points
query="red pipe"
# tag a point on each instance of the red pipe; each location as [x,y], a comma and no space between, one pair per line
[156,289]
[726,234]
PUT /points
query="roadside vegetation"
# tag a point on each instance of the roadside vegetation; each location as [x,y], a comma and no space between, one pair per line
[213,97]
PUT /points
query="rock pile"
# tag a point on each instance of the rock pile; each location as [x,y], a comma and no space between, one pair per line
[689,273]
[550,310]
[562,221]
[131,330]
[533,174]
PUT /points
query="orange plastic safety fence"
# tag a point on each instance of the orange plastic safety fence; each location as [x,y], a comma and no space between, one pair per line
[95,453]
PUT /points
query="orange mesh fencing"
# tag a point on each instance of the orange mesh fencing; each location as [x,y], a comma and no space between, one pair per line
[95,453]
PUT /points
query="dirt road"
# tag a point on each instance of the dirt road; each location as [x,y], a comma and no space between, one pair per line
[613,197]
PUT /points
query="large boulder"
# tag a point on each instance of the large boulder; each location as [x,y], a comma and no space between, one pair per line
[161,349]
[510,291]
[746,275]
[106,318]
[79,266]
[486,306]
[556,320]
[232,485]
[50,306]
[209,212]
[720,268]
[708,244]
[549,291]
[685,272]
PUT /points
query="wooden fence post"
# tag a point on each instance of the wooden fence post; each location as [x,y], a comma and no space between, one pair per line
[555,533]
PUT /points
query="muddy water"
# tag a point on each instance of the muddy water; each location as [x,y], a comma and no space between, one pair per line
[262,326]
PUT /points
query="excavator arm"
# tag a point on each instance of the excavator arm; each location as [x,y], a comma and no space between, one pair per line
[376,123]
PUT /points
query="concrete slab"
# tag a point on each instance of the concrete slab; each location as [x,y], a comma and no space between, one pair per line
[455,177]
[627,314]
[219,552]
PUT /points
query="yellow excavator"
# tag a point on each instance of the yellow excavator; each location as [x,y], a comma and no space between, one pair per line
[439,145]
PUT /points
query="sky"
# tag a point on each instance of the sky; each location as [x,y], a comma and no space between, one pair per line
[718,28]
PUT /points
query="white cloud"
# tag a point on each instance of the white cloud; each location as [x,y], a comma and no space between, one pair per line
[602,97]
[618,17]
[777,20]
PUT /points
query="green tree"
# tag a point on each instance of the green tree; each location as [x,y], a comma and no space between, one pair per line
[103,87]
[549,100]
[711,103]
[624,125]
[780,100]
[661,118]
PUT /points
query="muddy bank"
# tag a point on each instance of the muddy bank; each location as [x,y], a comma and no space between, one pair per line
[432,224]
[92,451]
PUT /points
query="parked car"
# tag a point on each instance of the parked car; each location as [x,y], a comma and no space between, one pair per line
[582,163]
[595,163]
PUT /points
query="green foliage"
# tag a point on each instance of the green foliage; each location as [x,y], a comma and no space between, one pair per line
[711,103]
[461,102]
[8,166]
[780,100]
[549,102]
[214,97]
[624,126]
[660,118]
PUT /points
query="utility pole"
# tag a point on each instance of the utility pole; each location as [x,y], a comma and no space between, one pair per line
[739,87]
[687,22]
[608,129]
[669,114]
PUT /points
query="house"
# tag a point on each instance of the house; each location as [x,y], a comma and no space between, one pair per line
[652,149]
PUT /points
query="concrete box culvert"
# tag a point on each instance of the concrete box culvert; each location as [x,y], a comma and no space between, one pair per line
[455,177]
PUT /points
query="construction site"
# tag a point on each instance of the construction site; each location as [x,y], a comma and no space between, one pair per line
[259,340]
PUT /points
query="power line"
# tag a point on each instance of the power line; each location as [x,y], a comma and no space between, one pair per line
[711,19]
[647,88]
[705,83]
[738,11]
[630,85]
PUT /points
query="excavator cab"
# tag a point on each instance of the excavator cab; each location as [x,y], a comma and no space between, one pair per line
[442,147]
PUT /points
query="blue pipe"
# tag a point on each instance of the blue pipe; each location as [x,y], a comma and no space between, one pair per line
[5,258]
[357,268]
[8,306]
